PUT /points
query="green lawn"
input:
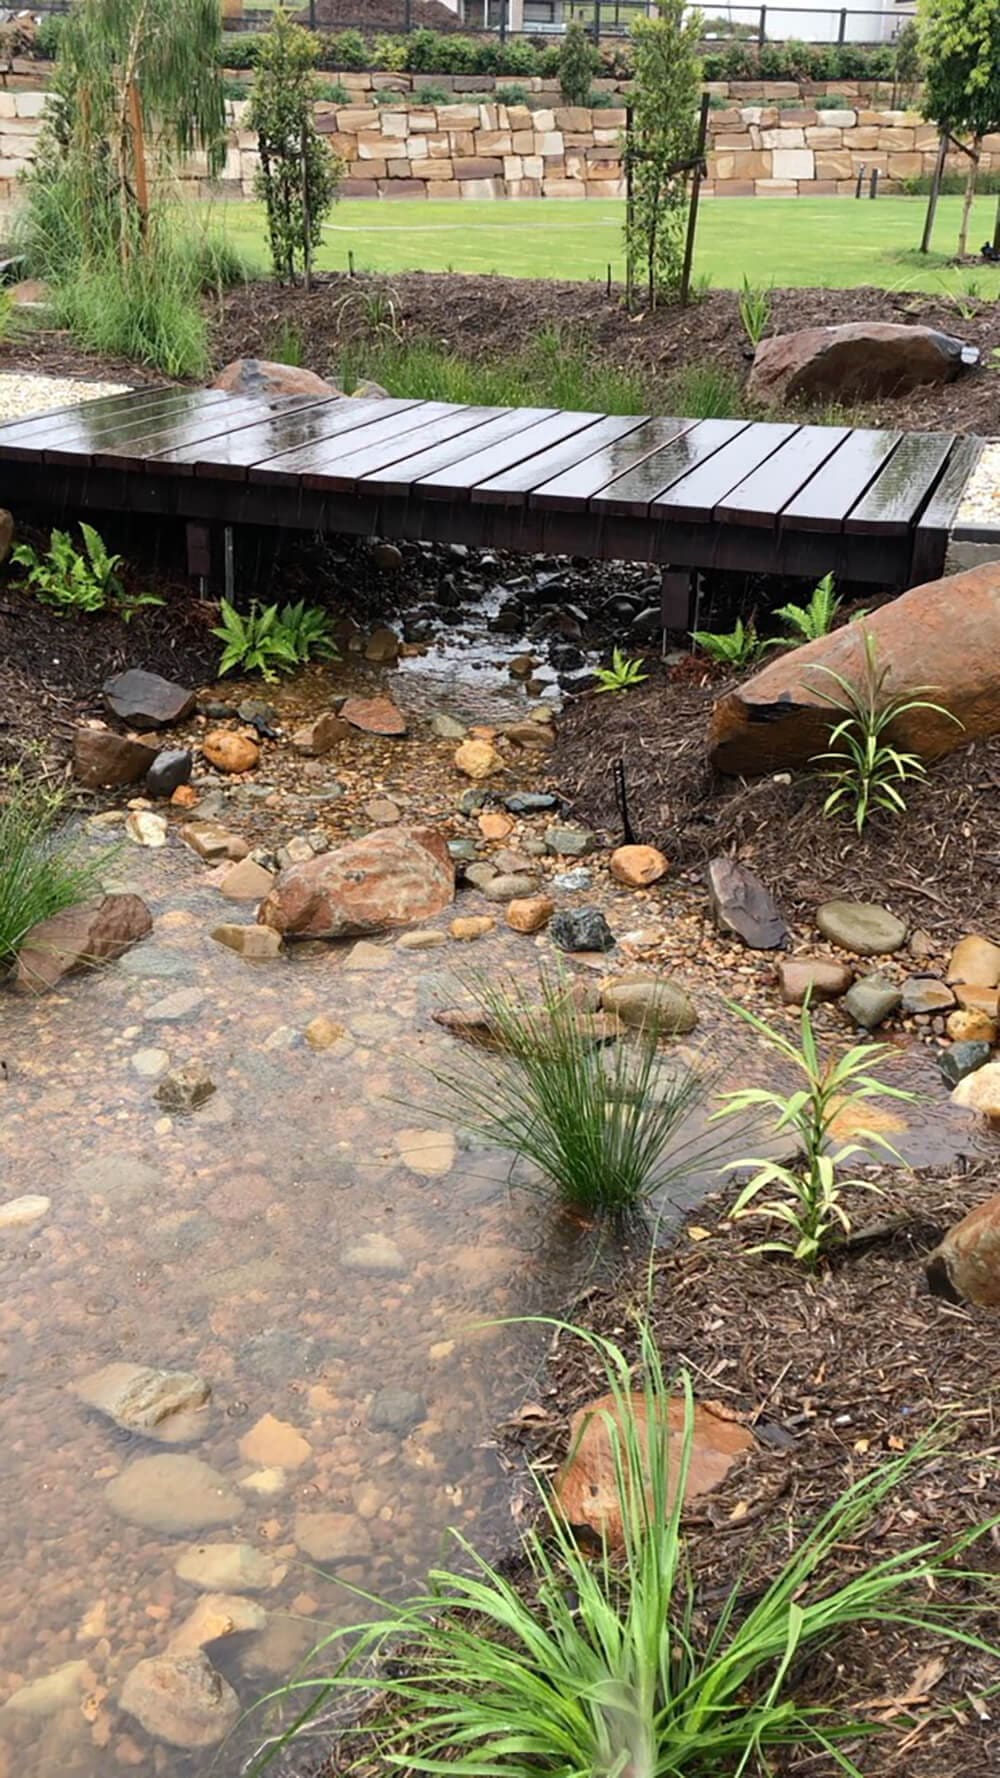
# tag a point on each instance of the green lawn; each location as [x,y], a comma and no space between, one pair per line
[801,241]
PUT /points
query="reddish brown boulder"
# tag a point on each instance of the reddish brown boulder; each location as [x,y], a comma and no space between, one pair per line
[966,1264]
[259,376]
[945,635]
[394,876]
[638,866]
[376,716]
[103,760]
[586,1487]
[856,360]
[94,931]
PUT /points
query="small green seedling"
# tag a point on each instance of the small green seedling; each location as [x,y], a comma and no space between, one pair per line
[621,674]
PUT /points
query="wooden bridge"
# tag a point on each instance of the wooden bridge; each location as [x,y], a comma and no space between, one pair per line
[871,506]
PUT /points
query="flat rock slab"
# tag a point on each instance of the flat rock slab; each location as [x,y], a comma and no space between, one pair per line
[227,1568]
[161,1404]
[21,1213]
[650,1005]
[925,994]
[862,927]
[740,904]
[145,701]
[173,1493]
[95,931]
[374,716]
[331,1537]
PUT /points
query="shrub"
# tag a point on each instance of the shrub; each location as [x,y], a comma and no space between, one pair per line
[239,50]
[430,92]
[664,108]
[578,64]
[47,34]
[350,50]
[597,1664]
[811,1206]
[41,872]
[298,173]
[597,1123]
[389,53]
[270,641]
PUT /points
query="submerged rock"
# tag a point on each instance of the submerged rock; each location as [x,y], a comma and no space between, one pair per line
[172,1493]
[181,1699]
[227,1568]
[391,877]
[162,1404]
[95,931]
[185,1088]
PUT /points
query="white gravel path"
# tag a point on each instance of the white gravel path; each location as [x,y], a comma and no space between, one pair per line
[981,500]
[30,394]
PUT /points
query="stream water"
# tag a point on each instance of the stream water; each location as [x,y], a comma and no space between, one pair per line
[298,1246]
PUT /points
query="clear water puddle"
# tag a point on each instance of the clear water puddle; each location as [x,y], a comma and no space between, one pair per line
[286,1243]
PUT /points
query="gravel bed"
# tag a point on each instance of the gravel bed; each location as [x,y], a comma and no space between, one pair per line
[981,500]
[29,394]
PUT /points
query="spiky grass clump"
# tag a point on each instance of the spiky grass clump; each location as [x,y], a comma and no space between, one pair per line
[40,870]
[605,1665]
[597,1120]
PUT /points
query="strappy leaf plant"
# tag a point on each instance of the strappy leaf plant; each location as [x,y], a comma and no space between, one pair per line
[595,1665]
[809,1191]
[866,769]
[621,674]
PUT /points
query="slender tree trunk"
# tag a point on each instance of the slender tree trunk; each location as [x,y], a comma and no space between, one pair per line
[970,192]
[139,156]
[306,217]
[996,229]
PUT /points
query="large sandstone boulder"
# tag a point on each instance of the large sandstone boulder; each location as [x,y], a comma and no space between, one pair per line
[103,759]
[857,360]
[260,376]
[966,1264]
[94,931]
[394,876]
[945,635]
[587,1485]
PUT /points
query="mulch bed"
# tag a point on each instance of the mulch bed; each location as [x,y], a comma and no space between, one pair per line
[467,313]
[938,866]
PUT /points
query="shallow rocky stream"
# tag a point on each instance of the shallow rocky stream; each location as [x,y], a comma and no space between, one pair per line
[312,1242]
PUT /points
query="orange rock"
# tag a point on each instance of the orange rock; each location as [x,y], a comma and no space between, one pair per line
[375,716]
[391,877]
[976,999]
[972,1025]
[966,1264]
[494,826]
[184,797]
[638,866]
[529,913]
[471,926]
[975,961]
[586,1486]
[945,634]
[228,751]
[478,759]
[275,1443]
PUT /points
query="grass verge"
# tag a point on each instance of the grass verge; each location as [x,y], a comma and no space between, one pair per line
[41,872]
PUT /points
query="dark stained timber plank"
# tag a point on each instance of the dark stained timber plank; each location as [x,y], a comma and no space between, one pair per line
[109,406]
[934,527]
[398,478]
[571,490]
[839,483]
[82,428]
[898,495]
[512,487]
[130,449]
[697,494]
[457,481]
[433,422]
[632,493]
[763,494]
[229,458]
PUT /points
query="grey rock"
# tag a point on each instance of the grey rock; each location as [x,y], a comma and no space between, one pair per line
[871,1001]
[651,1004]
[170,769]
[740,904]
[481,873]
[155,963]
[533,846]
[447,728]
[145,701]
[173,1009]
[530,802]
[925,994]
[862,927]
[279,1354]
[510,888]
[181,1699]
[387,557]
[463,850]
[581,929]
[573,880]
[962,1059]
[570,842]
[471,801]
[396,1410]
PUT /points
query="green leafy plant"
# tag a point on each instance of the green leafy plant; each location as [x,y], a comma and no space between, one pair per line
[739,647]
[578,64]
[755,311]
[299,172]
[41,872]
[71,579]
[621,674]
[664,134]
[959,42]
[271,641]
[597,1664]
[867,771]
[811,1205]
[597,1122]
[815,619]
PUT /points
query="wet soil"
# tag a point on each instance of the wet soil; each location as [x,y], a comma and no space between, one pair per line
[462,314]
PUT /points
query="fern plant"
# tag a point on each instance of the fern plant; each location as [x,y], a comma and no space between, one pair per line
[866,770]
[621,674]
[740,647]
[815,619]
[271,641]
[69,579]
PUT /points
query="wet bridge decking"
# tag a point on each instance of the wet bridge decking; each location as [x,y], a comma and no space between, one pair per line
[777,498]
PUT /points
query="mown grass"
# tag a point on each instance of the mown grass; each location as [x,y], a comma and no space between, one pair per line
[819,242]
